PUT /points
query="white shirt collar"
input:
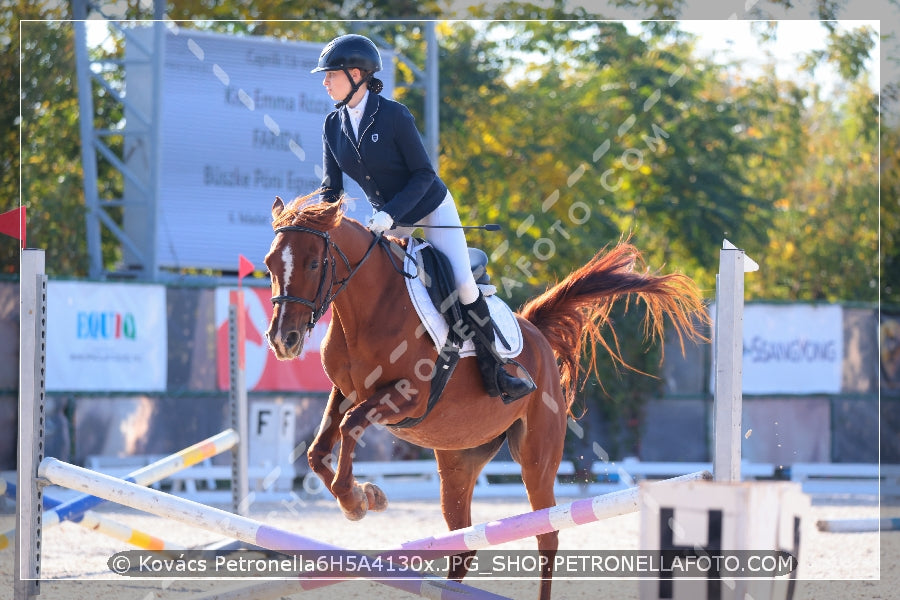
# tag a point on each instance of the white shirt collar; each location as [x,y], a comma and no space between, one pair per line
[362,104]
[357,111]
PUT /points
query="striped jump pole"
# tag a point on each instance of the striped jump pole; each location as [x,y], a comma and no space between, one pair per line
[75,508]
[247,530]
[555,518]
[95,522]
[859,525]
[484,535]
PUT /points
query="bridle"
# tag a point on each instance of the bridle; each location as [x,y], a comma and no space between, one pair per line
[329,278]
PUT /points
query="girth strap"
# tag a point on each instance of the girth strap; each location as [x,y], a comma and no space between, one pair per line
[443,369]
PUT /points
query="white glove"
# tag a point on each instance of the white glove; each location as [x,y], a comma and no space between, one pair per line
[380,222]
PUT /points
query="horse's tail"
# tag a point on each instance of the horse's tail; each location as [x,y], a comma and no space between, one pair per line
[572,313]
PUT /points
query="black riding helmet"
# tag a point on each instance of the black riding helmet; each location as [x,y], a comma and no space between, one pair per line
[347,52]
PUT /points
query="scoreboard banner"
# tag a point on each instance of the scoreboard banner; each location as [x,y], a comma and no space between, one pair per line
[240,122]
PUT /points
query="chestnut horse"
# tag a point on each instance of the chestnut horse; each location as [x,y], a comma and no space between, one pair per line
[380,362]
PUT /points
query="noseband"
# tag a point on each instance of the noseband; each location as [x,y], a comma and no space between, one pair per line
[329,275]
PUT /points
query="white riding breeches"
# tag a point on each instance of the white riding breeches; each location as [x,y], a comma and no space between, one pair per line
[450,241]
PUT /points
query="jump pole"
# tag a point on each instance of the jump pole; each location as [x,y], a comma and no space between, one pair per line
[73,509]
[124,533]
[555,518]
[729,349]
[194,514]
[485,535]
[95,522]
[859,525]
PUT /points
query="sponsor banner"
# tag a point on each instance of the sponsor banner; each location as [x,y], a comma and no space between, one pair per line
[792,349]
[264,372]
[106,337]
[890,351]
[241,122]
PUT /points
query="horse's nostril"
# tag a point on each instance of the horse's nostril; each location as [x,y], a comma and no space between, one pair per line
[291,339]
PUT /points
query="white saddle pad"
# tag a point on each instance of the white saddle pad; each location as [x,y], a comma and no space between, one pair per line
[434,321]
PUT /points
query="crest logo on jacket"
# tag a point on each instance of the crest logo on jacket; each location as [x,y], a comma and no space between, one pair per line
[374,137]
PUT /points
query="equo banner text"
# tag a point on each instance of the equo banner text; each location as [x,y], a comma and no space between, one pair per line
[106,337]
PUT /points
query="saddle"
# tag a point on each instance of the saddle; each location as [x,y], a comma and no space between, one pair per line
[433,294]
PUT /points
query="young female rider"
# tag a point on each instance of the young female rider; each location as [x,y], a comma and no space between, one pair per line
[375,141]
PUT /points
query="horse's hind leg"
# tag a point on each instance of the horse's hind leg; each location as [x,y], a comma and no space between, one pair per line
[459,470]
[537,446]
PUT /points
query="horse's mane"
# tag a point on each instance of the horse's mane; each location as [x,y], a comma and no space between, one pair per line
[311,211]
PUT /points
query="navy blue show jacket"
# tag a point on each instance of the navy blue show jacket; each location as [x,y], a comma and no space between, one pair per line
[388,161]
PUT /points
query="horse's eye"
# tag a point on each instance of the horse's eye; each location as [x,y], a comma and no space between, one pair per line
[314,265]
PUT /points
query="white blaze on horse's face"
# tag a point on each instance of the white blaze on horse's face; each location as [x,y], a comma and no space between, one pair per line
[284,337]
[287,263]
[287,258]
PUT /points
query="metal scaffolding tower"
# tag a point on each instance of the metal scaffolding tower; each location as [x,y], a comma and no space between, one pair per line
[139,129]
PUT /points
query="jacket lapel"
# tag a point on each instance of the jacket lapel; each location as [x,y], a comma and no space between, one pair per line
[369,115]
[346,127]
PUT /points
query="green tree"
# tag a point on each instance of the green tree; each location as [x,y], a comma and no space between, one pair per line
[890,215]
[610,133]
[826,180]
[50,150]
[9,131]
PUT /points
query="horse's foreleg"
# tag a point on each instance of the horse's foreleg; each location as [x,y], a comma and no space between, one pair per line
[388,404]
[319,455]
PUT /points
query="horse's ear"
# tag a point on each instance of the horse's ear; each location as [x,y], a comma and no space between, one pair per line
[277,207]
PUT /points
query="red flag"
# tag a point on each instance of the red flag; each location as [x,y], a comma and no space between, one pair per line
[12,223]
[245,267]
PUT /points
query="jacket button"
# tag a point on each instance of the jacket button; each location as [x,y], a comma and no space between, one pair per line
[368,178]
[377,193]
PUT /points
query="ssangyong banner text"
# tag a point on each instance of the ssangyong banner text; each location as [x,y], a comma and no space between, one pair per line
[792,349]
[241,123]
[106,337]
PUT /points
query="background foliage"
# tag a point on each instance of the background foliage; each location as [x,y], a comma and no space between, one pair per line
[573,134]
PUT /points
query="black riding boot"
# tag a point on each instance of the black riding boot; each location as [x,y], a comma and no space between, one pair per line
[497,382]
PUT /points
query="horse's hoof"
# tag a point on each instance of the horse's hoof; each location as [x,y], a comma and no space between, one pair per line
[356,515]
[376,498]
[359,506]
